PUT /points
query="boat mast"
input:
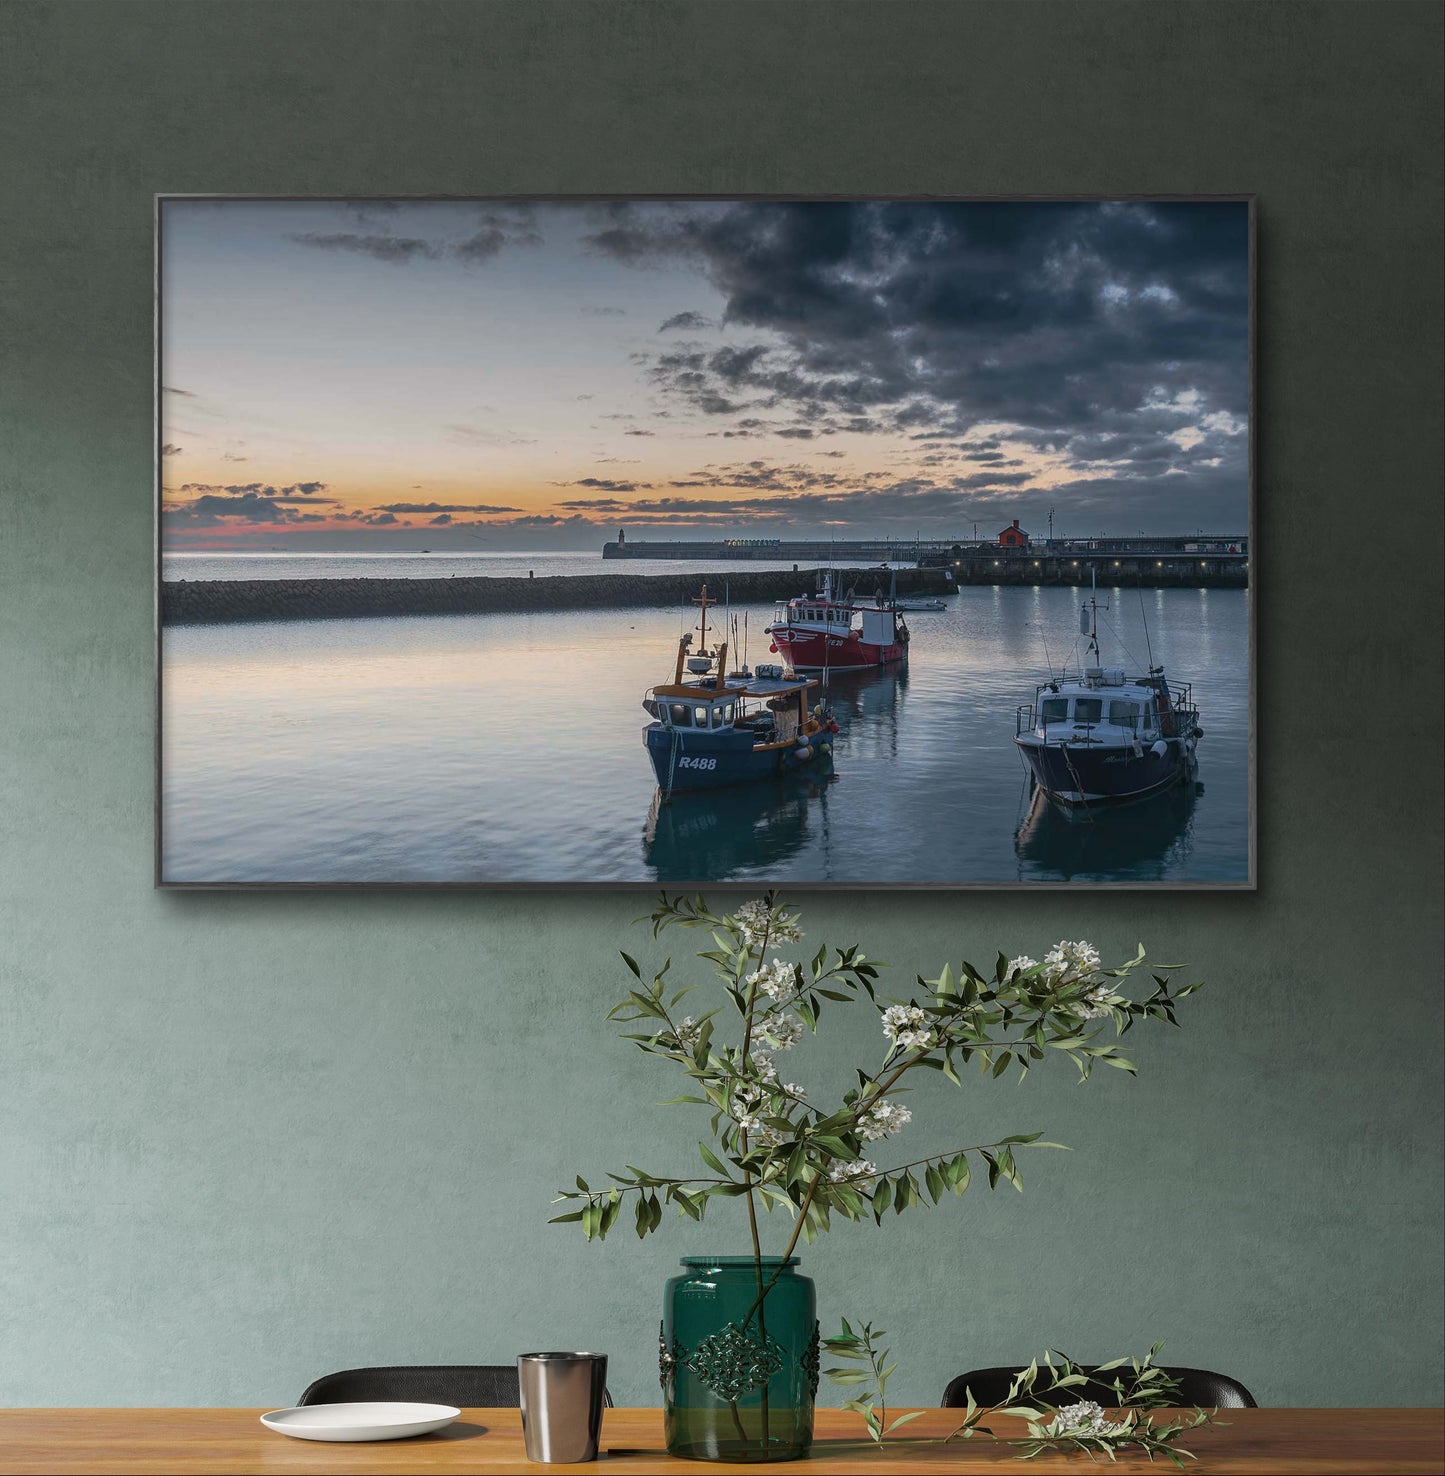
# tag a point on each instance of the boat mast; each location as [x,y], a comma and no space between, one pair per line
[1093,646]
[705,603]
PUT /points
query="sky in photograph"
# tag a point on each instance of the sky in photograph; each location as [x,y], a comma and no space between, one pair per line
[496,375]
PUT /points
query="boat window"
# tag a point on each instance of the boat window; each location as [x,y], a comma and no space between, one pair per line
[725,715]
[680,715]
[1088,709]
[1053,709]
[699,717]
[1125,714]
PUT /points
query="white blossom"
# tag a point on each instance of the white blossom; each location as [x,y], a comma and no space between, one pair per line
[860,1168]
[797,1093]
[908,1027]
[753,919]
[763,1135]
[1022,964]
[777,980]
[757,924]
[763,1066]
[1067,960]
[883,1119]
[1092,1005]
[782,1032]
[785,930]
[1082,1419]
[687,1033]
[746,1101]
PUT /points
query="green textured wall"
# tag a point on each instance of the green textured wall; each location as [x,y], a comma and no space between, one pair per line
[247,1138]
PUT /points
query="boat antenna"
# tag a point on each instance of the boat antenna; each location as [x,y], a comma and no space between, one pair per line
[1047,656]
[1093,613]
[1144,616]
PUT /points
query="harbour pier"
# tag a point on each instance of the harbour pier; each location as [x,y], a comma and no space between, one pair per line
[1193,561]
[223,601]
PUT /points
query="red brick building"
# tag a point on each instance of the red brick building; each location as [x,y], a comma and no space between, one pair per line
[1013,537]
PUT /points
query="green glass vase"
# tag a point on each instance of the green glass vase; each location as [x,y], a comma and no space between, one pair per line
[739,1359]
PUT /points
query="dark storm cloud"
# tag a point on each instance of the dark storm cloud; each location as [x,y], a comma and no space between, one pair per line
[443,507]
[545,520]
[490,230]
[788,496]
[217,509]
[169,389]
[689,320]
[170,449]
[378,247]
[604,484]
[996,479]
[257,489]
[441,520]
[1098,330]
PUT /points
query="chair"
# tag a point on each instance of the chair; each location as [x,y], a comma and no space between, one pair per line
[465,1385]
[1198,1387]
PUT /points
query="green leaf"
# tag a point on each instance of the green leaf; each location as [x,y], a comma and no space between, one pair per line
[881,1197]
[903,1419]
[712,1160]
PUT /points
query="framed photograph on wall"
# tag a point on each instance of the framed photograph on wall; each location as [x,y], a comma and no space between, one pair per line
[622,542]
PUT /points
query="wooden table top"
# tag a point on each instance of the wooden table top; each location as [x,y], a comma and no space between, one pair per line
[197,1442]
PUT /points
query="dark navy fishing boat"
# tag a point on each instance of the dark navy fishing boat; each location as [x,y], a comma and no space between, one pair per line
[1101,736]
[721,727]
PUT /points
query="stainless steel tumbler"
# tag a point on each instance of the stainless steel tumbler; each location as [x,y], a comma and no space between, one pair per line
[562,1396]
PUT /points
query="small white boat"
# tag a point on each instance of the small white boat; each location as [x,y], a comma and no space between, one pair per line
[919,605]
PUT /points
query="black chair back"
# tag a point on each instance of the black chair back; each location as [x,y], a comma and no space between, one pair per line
[465,1385]
[1197,1387]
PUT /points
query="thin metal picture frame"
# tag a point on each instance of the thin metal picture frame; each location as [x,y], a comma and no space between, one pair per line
[1249,884]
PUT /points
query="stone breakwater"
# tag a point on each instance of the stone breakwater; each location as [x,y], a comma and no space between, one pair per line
[224,601]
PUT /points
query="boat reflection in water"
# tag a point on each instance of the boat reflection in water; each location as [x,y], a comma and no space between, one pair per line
[1144,839]
[710,835]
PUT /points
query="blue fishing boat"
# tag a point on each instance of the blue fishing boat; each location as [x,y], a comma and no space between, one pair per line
[719,727]
[1101,736]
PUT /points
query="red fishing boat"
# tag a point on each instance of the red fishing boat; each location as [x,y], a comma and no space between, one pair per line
[821,633]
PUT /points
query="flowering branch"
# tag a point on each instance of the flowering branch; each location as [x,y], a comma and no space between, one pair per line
[771,1145]
[1080,1426]
[1084,1425]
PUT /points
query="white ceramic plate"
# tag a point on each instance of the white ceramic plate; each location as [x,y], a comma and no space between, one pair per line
[359,1421]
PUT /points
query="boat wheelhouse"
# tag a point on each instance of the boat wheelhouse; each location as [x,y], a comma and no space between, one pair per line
[820,633]
[1102,736]
[720,727]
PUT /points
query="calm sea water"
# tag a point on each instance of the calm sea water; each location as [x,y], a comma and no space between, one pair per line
[509,748]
